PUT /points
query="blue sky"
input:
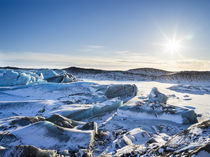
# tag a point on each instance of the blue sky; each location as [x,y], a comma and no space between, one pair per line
[109,34]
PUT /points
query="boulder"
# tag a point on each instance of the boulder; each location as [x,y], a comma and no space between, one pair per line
[156,97]
[189,117]
[121,90]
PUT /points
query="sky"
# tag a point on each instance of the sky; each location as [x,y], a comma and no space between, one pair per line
[107,34]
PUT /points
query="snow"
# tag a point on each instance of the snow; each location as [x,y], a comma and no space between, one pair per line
[200,103]
[47,135]
[138,136]
[79,112]
[196,131]
[194,137]
[136,115]
[53,91]
[128,121]
[191,89]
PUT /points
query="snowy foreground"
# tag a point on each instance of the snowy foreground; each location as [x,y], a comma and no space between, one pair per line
[51,113]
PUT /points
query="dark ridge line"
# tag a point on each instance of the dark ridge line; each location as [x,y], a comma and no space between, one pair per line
[154,69]
[80,69]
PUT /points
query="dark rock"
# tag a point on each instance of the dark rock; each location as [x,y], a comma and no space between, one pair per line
[152,140]
[65,153]
[23,121]
[83,153]
[28,151]
[31,151]
[90,126]
[6,138]
[60,121]
[205,148]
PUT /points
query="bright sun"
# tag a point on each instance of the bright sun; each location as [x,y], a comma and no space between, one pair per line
[172,46]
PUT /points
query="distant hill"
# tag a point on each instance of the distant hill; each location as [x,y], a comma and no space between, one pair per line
[141,74]
[187,76]
[150,71]
[138,74]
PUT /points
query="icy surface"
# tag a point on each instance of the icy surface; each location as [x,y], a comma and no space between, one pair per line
[110,118]
[11,78]
[191,89]
[47,135]
[200,103]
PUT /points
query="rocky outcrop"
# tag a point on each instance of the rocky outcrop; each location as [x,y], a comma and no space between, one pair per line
[193,141]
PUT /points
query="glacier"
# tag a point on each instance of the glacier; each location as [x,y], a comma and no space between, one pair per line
[62,112]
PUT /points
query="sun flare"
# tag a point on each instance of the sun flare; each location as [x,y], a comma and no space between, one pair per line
[173,46]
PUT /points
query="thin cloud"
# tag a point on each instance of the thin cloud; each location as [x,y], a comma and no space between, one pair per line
[120,62]
[89,48]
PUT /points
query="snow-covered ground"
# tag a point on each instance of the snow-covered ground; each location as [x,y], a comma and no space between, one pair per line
[112,118]
[197,100]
